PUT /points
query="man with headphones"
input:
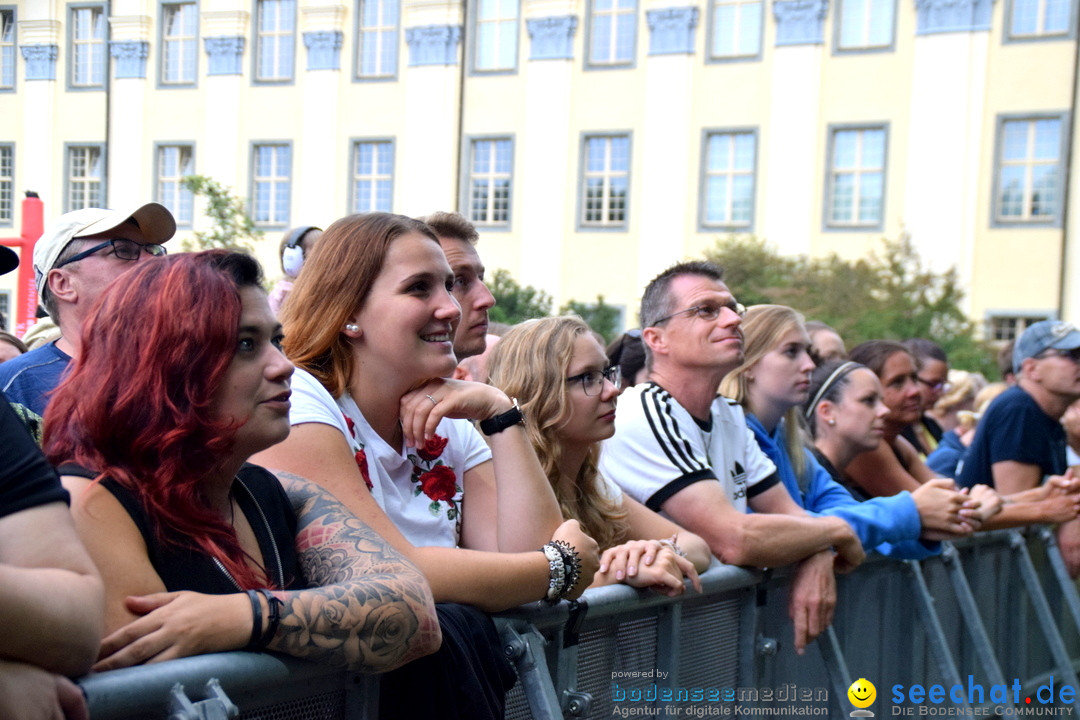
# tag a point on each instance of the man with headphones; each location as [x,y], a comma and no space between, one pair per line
[295,244]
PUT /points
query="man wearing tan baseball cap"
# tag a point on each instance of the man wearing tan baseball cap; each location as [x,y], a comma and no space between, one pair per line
[74,260]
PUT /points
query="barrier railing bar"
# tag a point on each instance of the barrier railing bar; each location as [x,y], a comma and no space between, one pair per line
[668,645]
[525,648]
[362,700]
[143,690]
[535,638]
[1057,563]
[564,660]
[935,634]
[748,623]
[617,599]
[969,612]
[836,666]
[1042,611]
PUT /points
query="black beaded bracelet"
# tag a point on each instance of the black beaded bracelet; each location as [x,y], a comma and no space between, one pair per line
[256,621]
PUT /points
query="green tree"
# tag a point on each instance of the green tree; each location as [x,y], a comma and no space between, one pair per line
[232,228]
[601,317]
[515,302]
[888,295]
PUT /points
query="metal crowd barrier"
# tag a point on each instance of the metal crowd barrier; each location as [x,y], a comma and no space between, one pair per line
[989,610]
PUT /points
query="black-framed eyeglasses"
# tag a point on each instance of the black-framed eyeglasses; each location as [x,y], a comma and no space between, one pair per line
[705,311]
[122,248]
[1073,354]
[592,382]
[941,386]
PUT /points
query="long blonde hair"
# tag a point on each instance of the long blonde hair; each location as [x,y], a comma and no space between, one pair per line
[763,327]
[530,363]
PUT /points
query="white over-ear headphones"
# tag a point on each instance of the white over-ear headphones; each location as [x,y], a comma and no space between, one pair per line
[292,257]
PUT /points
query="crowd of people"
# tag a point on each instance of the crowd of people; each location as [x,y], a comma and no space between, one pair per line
[200,466]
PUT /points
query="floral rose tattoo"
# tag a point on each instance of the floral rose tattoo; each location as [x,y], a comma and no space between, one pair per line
[367,607]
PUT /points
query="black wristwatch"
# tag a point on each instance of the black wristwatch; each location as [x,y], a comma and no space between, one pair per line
[498,423]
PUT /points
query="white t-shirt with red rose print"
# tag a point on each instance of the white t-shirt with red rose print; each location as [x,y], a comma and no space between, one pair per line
[419,489]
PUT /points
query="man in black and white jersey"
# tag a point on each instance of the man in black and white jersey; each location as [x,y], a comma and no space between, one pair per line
[681,449]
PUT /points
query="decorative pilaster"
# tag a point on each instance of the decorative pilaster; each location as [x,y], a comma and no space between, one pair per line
[800,22]
[40,61]
[942,16]
[225,55]
[433,44]
[671,30]
[324,50]
[130,58]
[552,37]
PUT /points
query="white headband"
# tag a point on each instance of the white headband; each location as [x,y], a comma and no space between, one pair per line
[836,374]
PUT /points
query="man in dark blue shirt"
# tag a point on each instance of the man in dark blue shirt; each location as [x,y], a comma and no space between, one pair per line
[1020,441]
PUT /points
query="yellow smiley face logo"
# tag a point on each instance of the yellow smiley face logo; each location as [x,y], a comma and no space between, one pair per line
[862,693]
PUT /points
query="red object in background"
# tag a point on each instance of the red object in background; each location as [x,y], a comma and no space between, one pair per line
[26,300]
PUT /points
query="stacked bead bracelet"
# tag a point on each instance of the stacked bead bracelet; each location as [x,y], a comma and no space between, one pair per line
[564,565]
[260,638]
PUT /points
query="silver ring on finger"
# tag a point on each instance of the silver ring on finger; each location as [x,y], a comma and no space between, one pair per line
[433,400]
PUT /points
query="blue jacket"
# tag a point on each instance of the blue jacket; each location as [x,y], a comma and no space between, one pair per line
[945,460]
[889,525]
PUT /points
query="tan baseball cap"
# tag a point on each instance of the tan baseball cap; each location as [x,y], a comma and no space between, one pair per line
[155,223]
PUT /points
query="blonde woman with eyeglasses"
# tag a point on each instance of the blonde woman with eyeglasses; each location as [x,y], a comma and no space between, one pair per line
[558,371]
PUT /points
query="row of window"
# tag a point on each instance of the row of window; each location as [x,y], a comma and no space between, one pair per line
[1027,186]
[1004,328]
[275,42]
[735,31]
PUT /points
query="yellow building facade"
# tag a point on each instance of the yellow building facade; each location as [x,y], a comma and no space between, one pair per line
[593,142]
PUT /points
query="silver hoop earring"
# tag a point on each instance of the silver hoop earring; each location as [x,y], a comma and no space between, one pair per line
[352,328]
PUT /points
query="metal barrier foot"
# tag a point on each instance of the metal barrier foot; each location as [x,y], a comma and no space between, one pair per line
[217,706]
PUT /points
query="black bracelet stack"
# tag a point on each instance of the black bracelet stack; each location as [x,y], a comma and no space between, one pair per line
[564,564]
[275,617]
[261,638]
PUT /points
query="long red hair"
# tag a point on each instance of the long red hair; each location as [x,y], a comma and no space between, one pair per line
[137,405]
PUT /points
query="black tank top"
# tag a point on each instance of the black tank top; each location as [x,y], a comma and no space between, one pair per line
[266,507]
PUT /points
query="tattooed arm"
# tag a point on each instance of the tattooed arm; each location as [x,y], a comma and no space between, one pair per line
[367,607]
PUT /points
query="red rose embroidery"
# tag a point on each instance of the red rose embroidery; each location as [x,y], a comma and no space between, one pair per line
[439,483]
[351,425]
[432,448]
[361,462]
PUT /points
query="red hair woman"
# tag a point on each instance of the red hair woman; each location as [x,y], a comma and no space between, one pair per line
[180,381]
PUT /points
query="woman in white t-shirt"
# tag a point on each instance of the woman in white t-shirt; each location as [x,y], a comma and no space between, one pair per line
[370,326]
[558,371]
